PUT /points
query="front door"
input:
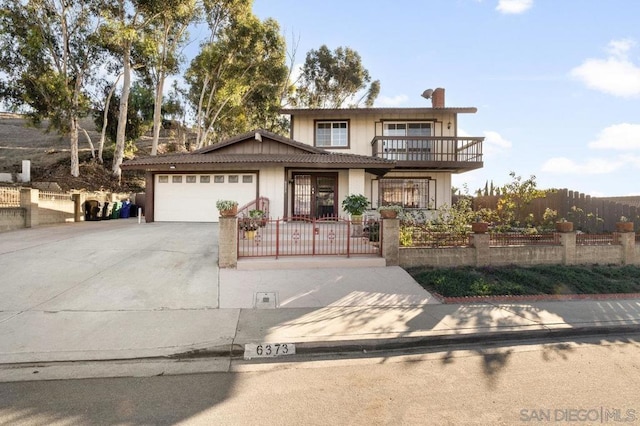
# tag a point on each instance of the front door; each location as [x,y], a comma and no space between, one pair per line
[315,195]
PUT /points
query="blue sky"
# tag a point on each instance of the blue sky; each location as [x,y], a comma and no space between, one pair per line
[556,83]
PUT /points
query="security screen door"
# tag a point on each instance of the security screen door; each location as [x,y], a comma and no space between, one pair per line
[315,195]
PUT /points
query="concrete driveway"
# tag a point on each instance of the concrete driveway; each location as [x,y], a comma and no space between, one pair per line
[110,265]
[111,289]
[118,289]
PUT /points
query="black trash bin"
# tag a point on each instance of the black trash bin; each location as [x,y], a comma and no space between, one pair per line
[106,212]
[91,210]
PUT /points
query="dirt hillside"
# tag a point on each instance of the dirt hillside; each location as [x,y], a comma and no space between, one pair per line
[49,155]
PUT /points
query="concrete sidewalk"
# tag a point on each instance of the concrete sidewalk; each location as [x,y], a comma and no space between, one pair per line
[118,290]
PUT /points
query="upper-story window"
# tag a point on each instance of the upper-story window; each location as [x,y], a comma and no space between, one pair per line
[401,145]
[332,134]
[407,129]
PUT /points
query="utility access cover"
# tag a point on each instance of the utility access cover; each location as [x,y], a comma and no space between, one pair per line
[266,300]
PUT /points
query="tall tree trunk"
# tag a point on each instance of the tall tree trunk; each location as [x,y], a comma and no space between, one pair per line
[118,155]
[73,140]
[105,116]
[199,113]
[157,113]
[90,142]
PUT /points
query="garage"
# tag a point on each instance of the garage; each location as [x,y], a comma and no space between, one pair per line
[192,197]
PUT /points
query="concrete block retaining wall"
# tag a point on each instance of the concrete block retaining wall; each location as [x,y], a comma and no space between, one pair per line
[55,211]
[604,255]
[525,255]
[625,252]
[436,257]
[34,210]
[11,218]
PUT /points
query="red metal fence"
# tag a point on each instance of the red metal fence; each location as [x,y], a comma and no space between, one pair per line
[596,239]
[519,239]
[298,236]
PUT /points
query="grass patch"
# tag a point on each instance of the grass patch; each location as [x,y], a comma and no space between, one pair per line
[533,280]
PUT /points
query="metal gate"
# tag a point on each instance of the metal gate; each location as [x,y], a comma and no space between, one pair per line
[298,236]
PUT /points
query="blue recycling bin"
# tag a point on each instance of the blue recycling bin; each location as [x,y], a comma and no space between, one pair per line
[125,210]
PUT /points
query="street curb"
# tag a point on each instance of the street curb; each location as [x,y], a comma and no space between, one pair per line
[460,339]
[535,298]
[395,343]
[235,350]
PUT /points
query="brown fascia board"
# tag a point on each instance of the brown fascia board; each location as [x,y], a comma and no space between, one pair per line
[322,112]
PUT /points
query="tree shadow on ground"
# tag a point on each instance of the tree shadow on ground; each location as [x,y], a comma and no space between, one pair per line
[134,401]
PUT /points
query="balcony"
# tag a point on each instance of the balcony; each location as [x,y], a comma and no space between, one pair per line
[446,153]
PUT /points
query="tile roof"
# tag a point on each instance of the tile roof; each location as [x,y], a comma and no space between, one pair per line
[302,158]
[383,110]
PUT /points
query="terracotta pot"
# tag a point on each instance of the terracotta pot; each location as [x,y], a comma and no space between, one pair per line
[229,213]
[624,226]
[388,214]
[564,226]
[479,227]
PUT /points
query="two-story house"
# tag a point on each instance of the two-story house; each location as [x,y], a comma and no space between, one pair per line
[402,156]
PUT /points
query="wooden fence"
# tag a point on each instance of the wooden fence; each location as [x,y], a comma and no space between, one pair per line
[588,214]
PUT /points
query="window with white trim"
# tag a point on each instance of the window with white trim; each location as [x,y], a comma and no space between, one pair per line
[410,193]
[405,148]
[332,134]
[407,129]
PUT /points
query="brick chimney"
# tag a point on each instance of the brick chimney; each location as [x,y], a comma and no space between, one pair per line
[437,98]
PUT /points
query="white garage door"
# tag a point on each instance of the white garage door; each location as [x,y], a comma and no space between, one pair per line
[192,197]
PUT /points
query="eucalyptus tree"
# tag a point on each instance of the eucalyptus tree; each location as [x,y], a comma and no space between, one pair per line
[48,54]
[162,39]
[334,79]
[124,19]
[139,114]
[236,80]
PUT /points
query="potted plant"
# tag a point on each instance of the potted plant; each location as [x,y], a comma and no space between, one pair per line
[258,216]
[249,227]
[227,208]
[390,211]
[355,205]
[479,227]
[624,225]
[563,225]
[374,232]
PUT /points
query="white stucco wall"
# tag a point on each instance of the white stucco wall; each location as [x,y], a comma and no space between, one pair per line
[273,185]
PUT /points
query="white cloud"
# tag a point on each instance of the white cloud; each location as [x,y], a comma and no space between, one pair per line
[385,101]
[593,166]
[622,136]
[494,143]
[514,7]
[619,48]
[616,75]
[496,140]
[634,160]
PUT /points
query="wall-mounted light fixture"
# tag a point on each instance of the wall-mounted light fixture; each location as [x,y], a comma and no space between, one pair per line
[449,125]
[172,166]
